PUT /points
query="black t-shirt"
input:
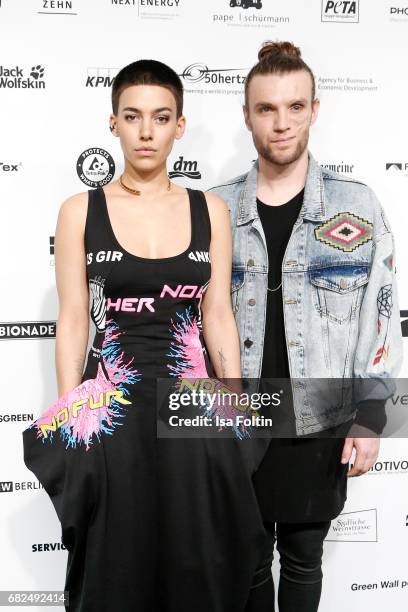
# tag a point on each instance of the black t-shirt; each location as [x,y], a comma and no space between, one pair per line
[277,223]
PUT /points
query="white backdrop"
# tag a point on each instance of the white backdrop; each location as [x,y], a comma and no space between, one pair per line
[57,58]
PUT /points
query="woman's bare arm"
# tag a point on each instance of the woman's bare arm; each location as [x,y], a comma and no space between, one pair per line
[219,327]
[70,273]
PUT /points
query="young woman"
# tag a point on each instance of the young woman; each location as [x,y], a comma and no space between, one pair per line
[150,523]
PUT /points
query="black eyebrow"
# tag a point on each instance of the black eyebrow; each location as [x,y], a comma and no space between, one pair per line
[157,110]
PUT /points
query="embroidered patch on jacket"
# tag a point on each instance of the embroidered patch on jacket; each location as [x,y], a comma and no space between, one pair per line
[384,305]
[389,262]
[345,231]
[382,353]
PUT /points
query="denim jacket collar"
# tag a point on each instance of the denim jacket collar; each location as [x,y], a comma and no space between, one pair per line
[313,207]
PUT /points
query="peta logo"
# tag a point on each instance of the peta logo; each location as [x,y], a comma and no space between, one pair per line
[199,256]
[341,11]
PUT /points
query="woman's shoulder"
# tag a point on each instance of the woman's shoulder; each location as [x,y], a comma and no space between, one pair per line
[73,209]
[217,207]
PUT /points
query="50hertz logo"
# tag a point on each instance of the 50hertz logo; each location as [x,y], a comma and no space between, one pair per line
[195,73]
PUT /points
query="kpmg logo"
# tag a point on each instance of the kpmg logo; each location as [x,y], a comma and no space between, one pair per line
[246,4]
[341,11]
[182,167]
[195,73]
[15,77]
[100,77]
[27,330]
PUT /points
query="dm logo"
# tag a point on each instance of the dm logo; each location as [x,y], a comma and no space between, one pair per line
[185,168]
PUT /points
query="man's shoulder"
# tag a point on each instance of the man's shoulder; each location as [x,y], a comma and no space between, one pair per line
[343,181]
[230,187]
[350,195]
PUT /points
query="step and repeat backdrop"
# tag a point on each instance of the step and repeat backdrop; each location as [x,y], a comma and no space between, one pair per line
[57,62]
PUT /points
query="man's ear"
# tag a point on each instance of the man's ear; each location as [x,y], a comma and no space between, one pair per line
[315,110]
[246,117]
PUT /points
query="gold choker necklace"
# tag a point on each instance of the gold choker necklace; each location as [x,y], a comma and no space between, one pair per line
[136,191]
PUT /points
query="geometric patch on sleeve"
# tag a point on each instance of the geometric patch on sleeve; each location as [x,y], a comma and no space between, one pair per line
[345,231]
[389,262]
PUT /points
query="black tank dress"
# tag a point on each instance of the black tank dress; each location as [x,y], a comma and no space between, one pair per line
[151,524]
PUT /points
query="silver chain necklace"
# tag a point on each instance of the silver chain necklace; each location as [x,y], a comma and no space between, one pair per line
[276,288]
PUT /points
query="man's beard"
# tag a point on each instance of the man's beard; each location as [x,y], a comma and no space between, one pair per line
[283,158]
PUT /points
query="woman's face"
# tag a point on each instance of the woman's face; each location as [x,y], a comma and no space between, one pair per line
[147,125]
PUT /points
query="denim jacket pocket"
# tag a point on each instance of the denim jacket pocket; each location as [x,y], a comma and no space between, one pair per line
[237,283]
[338,290]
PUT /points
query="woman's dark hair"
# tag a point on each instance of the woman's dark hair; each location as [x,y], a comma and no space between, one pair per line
[147,72]
[278,58]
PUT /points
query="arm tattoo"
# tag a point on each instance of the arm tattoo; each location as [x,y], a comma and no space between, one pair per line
[222,362]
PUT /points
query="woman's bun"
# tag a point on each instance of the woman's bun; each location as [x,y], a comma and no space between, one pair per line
[270,49]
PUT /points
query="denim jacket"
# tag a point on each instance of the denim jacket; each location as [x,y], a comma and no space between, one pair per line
[339,293]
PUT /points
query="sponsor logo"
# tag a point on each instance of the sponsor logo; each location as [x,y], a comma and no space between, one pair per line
[152,9]
[399,11]
[390,467]
[383,584]
[346,84]
[9,167]
[15,77]
[341,11]
[16,418]
[56,7]
[10,486]
[95,167]
[397,168]
[341,168]
[404,323]
[100,77]
[246,4]
[200,72]
[185,168]
[47,547]
[247,18]
[6,486]
[27,330]
[360,526]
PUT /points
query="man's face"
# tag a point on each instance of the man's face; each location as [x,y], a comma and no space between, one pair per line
[279,114]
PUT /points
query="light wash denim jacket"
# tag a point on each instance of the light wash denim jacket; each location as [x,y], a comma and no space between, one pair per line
[339,292]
